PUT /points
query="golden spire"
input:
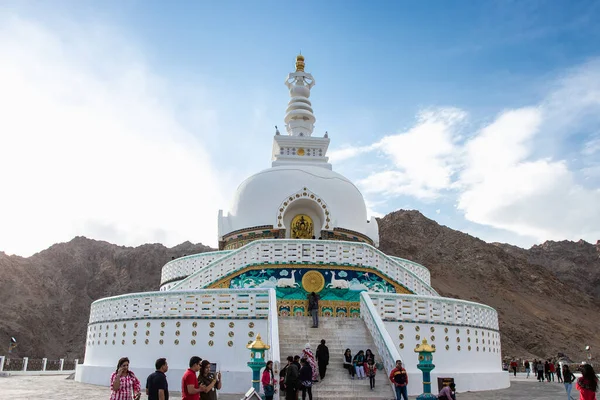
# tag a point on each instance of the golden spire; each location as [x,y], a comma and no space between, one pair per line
[300,63]
[258,344]
[424,347]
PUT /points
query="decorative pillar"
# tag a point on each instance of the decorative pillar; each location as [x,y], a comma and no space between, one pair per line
[25,362]
[257,360]
[62,364]
[426,366]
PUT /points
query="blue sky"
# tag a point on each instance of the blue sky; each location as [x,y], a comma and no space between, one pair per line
[134,121]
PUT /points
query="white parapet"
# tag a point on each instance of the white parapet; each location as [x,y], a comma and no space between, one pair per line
[465,335]
[213,324]
[411,275]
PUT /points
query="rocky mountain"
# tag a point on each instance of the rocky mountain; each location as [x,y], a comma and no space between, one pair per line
[541,313]
[546,297]
[575,263]
[46,298]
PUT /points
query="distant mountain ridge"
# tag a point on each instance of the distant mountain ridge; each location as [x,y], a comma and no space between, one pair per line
[547,296]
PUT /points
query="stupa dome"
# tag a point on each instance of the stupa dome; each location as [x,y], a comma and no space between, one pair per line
[274,196]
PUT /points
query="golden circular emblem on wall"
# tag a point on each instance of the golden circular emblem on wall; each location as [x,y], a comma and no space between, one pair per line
[313,281]
[300,152]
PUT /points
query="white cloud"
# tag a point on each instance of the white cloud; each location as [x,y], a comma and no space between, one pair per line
[424,157]
[91,144]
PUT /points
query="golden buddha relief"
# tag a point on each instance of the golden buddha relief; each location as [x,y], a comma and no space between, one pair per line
[302,227]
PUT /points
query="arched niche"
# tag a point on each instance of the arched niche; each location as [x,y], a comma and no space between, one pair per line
[308,207]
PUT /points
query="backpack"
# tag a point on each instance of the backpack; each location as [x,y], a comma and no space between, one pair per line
[400,378]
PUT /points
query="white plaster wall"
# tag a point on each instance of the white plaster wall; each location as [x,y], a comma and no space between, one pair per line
[471,369]
[101,359]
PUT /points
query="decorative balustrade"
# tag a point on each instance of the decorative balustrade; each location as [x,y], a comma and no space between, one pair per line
[273,334]
[214,303]
[295,251]
[183,267]
[430,309]
[382,339]
[416,268]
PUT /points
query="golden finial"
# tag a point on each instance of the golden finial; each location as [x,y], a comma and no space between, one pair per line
[300,63]
[258,344]
[424,347]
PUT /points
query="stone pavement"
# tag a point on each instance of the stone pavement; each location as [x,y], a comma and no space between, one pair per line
[59,388]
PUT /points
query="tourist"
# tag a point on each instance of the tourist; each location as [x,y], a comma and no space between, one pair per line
[568,379]
[540,371]
[369,356]
[322,358]
[207,378]
[399,378]
[268,381]
[157,387]
[371,370]
[291,380]
[313,308]
[551,370]
[448,392]
[588,383]
[310,358]
[298,366]
[348,363]
[359,364]
[124,385]
[527,368]
[559,378]
[282,373]
[190,386]
[547,370]
[513,366]
[306,378]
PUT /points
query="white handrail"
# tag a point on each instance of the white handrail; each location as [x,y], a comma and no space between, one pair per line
[382,339]
[273,335]
[183,267]
[290,251]
[432,309]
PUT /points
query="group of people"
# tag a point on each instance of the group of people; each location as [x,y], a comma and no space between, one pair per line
[198,382]
[587,384]
[362,365]
[299,374]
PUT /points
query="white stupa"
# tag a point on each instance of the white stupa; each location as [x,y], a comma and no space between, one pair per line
[295,228]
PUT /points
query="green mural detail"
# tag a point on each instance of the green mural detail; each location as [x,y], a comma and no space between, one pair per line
[340,285]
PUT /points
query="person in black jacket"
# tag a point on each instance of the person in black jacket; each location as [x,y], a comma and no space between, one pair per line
[306,379]
[322,357]
[291,380]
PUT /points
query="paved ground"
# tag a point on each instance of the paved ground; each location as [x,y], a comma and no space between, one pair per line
[59,388]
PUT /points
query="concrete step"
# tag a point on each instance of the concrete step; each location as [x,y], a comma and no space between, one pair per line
[339,334]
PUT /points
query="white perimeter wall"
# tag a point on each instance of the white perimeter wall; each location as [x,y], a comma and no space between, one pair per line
[472,370]
[101,359]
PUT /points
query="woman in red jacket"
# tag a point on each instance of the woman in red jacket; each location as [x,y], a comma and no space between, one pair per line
[588,383]
[268,381]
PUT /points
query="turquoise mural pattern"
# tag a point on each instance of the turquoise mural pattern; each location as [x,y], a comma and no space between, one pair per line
[338,285]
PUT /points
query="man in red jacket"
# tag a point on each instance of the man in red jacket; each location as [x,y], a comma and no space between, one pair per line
[399,378]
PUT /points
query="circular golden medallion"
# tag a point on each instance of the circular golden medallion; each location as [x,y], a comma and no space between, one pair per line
[300,152]
[313,281]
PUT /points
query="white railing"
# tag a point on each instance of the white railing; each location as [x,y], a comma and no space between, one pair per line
[419,270]
[183,267]
[413,308]
[382,339]
[273,335]
[213,303]
[283,251]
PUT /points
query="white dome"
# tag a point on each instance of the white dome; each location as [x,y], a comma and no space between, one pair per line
[263,199]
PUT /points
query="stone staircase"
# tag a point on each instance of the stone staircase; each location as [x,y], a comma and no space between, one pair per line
[339,334]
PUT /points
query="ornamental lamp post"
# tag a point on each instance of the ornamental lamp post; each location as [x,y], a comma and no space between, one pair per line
[426,366]
[257,360]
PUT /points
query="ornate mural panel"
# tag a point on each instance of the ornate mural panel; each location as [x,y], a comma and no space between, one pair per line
[302,227]
[338,287]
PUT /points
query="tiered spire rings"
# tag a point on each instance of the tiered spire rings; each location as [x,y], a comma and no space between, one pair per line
[299,117]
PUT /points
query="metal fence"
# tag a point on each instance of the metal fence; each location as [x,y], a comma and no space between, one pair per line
[36,364]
